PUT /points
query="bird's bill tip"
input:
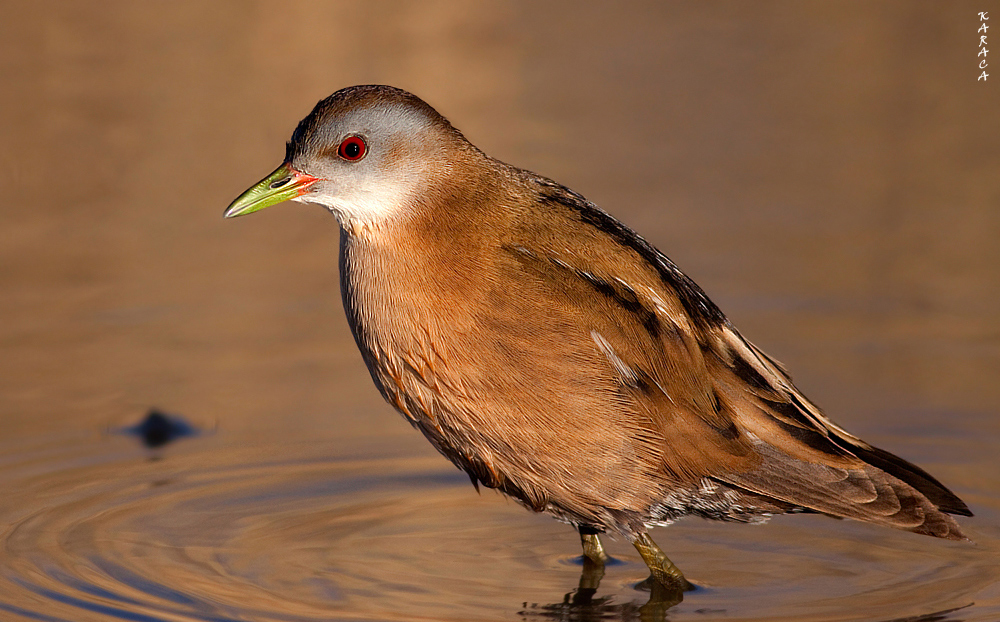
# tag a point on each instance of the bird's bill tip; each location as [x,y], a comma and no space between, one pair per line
[283,184]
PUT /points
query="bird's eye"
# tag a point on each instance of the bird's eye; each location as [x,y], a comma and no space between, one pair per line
[353,148]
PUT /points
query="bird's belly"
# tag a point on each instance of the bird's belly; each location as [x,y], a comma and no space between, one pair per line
[562,451]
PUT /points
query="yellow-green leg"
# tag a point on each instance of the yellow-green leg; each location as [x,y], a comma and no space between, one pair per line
[592,549]
[663,570]
[594,558]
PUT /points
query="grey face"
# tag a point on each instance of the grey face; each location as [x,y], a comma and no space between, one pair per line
[368,159]
[362,153]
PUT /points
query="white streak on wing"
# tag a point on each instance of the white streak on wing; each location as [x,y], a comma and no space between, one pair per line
[663,391]
[626,372]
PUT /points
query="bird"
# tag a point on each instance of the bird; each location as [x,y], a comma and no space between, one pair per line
[556,356]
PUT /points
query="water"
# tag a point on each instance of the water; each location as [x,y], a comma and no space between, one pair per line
[826,172]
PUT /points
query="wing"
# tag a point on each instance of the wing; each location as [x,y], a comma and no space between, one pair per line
[723,410]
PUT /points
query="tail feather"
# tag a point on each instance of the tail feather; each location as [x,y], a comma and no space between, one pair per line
[935,491]
[867,493]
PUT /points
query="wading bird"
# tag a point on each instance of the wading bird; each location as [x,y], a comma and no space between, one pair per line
[554,355]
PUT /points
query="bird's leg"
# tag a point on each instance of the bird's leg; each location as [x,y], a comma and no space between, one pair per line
[593,563]
[592,549]
[663,570]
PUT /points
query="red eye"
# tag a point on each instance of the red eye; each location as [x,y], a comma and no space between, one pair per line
[353,148]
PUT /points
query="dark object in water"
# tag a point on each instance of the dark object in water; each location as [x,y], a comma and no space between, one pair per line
[158,429]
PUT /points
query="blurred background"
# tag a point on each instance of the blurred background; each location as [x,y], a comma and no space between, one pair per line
[829,172]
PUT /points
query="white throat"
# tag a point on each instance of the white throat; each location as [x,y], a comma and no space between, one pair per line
[369,205]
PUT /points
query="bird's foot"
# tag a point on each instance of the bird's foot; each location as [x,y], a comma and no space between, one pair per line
[663,571]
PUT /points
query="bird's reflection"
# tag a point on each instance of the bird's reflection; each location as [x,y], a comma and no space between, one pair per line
[583,605]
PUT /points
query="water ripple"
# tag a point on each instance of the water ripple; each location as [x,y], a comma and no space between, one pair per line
[225,531]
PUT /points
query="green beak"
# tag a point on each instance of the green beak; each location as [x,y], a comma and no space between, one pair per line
[283,184]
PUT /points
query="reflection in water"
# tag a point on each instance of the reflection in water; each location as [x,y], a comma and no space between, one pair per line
[576,609]
[583,604]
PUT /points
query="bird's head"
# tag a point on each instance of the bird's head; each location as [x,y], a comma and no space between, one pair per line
[365,153]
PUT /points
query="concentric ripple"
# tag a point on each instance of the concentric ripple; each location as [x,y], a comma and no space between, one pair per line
[223,530]
[277,531]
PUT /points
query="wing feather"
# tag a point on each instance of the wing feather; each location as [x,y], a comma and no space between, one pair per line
[724,409]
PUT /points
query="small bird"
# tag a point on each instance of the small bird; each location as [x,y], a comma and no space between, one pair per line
[553,354]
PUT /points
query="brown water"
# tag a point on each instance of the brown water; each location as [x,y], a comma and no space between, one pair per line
[829,173]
